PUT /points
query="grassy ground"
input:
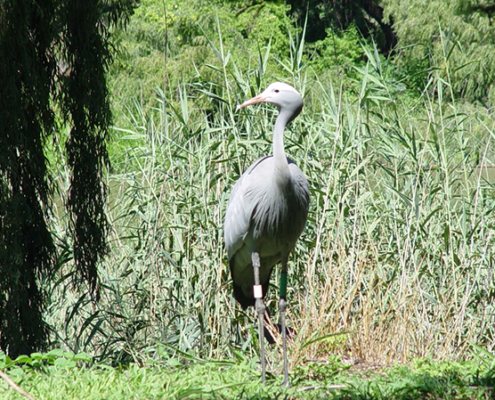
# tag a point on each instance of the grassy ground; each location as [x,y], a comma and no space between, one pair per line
[59,375]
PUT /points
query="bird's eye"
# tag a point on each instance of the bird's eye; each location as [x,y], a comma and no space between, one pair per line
[276,90]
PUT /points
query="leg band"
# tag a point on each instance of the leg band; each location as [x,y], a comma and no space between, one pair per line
[283,284]
[258,291]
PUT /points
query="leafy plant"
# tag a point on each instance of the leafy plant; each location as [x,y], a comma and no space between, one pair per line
[448,40]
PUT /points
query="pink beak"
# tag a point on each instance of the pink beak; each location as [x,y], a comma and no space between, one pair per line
[261,98]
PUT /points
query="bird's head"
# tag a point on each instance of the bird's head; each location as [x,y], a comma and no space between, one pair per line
[284,96]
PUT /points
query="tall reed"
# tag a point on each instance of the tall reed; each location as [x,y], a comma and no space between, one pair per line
[397,258]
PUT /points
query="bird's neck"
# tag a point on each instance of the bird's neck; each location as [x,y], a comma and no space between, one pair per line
[281,165]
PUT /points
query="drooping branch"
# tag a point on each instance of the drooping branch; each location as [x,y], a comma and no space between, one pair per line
[87,110]
[26,246]
[37,37]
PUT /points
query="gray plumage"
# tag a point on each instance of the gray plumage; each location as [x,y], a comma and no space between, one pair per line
[265,215]
[268,207]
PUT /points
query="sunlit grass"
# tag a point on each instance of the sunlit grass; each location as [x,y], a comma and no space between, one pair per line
[59,374]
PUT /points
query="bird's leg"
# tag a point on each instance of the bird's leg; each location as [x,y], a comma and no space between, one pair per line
[282,306]
[260,309]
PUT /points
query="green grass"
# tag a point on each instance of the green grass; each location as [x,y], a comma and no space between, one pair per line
[58,375]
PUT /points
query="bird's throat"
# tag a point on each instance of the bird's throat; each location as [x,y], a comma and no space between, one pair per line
[281,165]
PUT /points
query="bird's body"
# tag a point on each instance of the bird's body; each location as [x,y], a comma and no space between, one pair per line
[266,214]
[264,218]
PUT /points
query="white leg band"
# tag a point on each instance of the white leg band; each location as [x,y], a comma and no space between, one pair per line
[258,291]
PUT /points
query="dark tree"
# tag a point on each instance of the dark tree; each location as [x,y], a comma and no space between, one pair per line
[53,53]
[487,8]
[366,15]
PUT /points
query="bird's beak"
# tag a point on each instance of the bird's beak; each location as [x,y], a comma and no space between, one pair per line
[261,98]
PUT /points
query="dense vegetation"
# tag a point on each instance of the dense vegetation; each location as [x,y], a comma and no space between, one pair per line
[397,259]
[62,374]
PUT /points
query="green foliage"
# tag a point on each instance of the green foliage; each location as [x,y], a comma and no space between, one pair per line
[177,39]
[47,375]
[339,15]
[44,362]
[337,56]
[322,371]
[445,38]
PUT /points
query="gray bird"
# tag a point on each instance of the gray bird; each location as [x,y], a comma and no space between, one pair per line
[266,214]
